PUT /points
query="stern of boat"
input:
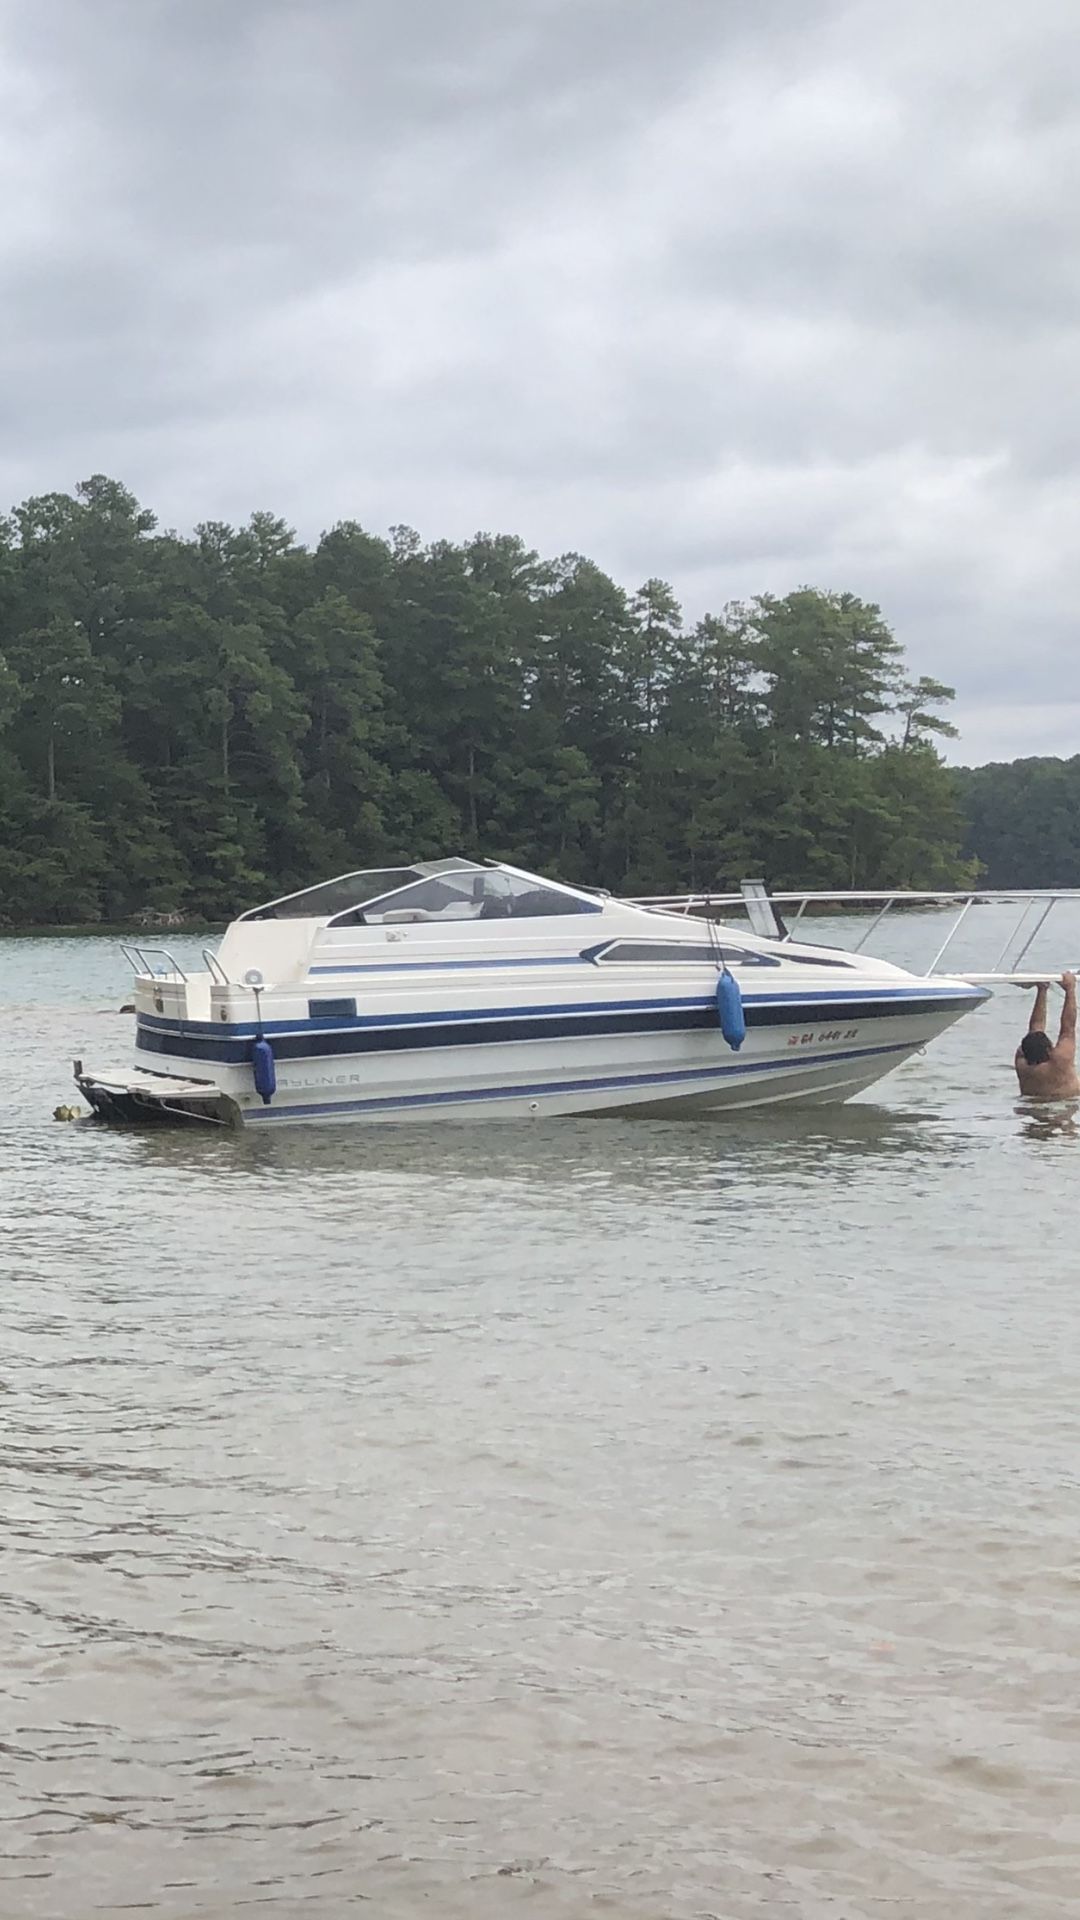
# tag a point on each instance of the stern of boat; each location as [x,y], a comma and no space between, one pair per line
[146,1100]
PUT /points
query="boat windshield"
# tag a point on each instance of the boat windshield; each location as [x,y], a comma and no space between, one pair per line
[333,896]
[472,894]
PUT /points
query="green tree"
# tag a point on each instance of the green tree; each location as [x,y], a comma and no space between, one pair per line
[1022,821]
[650,651]
[338,676]
[830,665]
[192,721]
[916,704]
[64,697]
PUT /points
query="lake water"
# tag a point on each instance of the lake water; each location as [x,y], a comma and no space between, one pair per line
[596,1519]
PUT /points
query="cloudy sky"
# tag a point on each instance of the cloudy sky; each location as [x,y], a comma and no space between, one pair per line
[745,293]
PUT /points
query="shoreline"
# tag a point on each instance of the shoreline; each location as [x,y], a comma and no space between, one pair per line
[113,929]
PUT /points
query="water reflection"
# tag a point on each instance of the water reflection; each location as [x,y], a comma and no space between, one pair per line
[675,1153]
[1048,1120]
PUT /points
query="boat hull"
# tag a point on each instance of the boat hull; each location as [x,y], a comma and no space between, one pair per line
[816,1056]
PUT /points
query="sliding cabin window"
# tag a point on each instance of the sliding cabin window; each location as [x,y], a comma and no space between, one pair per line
[665,953]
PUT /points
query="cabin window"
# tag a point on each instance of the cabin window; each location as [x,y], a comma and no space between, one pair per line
[666,953]
[331,1009]
[671,952]
[477,894]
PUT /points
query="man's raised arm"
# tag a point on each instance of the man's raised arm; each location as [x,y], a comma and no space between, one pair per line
[1067,1036]
[1037,1023]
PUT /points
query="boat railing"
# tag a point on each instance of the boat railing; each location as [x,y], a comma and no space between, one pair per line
[215,969]
[760,905]
[139,959]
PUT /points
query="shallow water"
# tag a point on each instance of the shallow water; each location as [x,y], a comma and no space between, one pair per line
[629,1519]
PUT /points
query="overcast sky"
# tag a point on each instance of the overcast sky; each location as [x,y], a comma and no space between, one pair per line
[744,293]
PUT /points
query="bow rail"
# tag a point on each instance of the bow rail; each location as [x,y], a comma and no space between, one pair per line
[760,905]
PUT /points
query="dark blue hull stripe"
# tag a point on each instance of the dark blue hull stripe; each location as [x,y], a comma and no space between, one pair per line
[615,1084]
[296,1040]
[802,1003]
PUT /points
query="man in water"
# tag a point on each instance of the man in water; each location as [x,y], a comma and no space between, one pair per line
[1046,1069]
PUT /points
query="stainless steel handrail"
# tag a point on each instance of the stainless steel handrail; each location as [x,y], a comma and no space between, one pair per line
[713,906]
[848,896]
[138,960]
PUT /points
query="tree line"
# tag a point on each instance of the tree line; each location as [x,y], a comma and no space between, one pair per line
[190,723]
[1023,821]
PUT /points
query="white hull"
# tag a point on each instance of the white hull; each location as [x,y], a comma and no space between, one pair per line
[811,1084]
[693,1073]
[699,1076]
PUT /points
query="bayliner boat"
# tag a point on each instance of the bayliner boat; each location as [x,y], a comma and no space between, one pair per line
[453,989]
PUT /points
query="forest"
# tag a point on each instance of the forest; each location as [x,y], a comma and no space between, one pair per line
[1023,817]
[191,723]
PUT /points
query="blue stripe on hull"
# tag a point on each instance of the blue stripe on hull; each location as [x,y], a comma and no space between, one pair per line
[612,1084]
[378,1033]
[929,995]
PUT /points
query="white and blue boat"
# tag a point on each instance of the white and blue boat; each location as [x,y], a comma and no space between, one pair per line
[455,989]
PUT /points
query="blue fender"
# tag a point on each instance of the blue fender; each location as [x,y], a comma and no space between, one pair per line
[263,1069]
[729,1007]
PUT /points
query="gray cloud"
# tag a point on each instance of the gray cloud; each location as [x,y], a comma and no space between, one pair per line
[743,295]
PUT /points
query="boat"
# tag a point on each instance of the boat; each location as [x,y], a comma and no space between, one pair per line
[457,988]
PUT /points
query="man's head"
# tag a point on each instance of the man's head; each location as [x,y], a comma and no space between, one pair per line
[1036,1048]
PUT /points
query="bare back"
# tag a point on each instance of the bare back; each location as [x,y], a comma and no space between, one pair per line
[1055,1077]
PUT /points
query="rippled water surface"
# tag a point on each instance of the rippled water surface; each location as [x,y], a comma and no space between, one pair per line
[605,1518]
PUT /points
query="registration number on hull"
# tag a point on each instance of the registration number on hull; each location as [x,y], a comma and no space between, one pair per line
[822,1039]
